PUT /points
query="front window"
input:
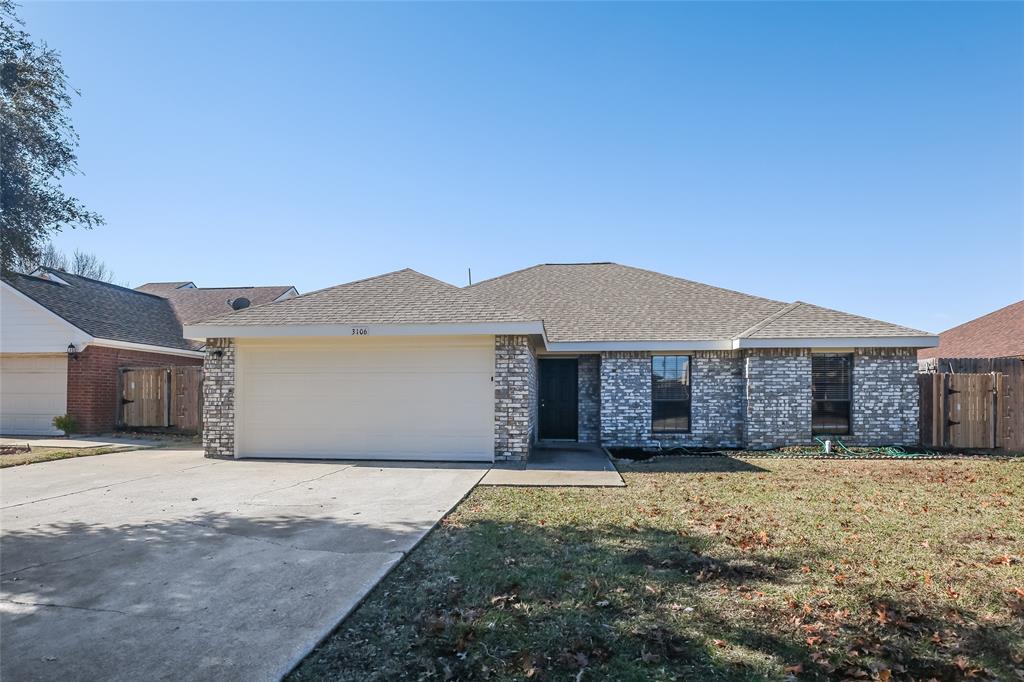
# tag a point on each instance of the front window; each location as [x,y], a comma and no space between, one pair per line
[831,393]
[670,394]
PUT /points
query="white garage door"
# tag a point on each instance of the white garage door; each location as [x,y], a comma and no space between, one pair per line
[421,398]
[33,390]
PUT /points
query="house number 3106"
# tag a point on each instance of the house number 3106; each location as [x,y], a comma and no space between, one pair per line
[359,331]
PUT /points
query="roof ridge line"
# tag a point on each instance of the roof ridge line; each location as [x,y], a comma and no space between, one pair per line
[693,281]
[255,286]
[785,310]
[435,279]
[97,281]
[507,274]
[344,284]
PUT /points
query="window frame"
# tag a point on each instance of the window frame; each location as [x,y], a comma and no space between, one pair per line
[848,400]
[689,400]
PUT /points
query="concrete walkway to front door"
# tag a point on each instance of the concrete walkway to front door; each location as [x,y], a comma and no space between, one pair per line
[558,465]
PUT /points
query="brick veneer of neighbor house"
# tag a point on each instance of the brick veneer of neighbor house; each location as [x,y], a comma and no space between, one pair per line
[515,397]
[589,383]
[93,398]
[219,399]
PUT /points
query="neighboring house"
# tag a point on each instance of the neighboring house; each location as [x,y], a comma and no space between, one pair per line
[404,366]
[63,339]
[192,303]
[999,334]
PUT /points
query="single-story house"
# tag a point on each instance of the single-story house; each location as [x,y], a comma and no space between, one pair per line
[997,335]
[404,366]
[64,338]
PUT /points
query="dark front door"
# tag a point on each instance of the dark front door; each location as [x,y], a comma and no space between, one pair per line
[559,399]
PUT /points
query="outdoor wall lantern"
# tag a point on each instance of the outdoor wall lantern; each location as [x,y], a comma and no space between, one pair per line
[72,352]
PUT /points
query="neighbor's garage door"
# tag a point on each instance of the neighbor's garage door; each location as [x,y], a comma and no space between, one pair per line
[33,390]
[366,398]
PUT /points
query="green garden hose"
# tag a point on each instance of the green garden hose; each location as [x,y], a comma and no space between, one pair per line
[888,451]
[839,450]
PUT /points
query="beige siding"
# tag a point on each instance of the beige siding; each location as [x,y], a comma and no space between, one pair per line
[425,398]
[27,327]
[33,390]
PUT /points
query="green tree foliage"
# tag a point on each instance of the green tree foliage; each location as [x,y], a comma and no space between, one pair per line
[37,145]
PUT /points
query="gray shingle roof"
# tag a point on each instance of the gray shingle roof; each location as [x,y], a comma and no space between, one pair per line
[611,302]
[160,288]
[803,320]
[402,297]
[193,304]
[580,302]
[105,311]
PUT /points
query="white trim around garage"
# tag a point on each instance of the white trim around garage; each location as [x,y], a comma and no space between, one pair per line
[264,331]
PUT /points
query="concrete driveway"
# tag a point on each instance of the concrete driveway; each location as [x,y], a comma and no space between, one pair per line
[161,564]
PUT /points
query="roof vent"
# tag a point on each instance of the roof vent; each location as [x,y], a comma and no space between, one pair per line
[240,302]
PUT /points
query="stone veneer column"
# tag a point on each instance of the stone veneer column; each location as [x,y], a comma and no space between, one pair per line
[777,400]
[589,381]
[219,399]
[885,397]
[515,397]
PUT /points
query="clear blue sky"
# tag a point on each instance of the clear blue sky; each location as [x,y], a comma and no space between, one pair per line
[867,157]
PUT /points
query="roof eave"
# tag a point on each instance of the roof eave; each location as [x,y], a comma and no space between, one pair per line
[924,341]
[682,345]
[144,347]
[242,331]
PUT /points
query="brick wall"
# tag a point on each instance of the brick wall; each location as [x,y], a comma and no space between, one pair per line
[777,400]
[219,399]
[93,397]
[885,397]
[716,408]
[589,381]
[626,398]
[515,397]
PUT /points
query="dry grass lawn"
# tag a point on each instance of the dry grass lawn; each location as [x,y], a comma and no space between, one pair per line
[710,568]
[38,454]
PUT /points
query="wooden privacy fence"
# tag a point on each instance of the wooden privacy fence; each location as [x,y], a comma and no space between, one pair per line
[972,410]
[164,397]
